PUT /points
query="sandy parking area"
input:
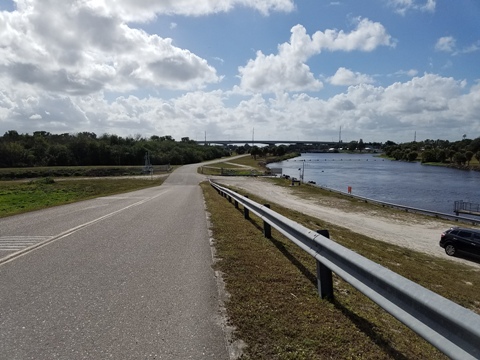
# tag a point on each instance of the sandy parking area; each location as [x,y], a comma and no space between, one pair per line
[405,229]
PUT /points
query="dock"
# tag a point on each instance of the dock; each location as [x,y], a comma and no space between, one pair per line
[463,207]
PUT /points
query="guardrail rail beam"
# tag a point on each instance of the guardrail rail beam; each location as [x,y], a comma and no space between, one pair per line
[449,327]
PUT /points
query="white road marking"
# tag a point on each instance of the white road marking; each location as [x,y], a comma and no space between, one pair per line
[49,239]
[120,197]
[12,243]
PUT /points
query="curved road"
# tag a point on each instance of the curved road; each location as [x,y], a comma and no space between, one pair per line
[121,277]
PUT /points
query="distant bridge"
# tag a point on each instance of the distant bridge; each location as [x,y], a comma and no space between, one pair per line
[268,142]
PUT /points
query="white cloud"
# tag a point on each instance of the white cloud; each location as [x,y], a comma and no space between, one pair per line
[72,49]
[276,74]
[287,71]
[402,6]
[472,48]
[449,44]
[346,77]
[429,6]
[446,43]
[146,10]
[61,62]
[409,73]
[434,105]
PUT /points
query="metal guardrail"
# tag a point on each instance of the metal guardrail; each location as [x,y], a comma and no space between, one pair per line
[449,327]
[466,207]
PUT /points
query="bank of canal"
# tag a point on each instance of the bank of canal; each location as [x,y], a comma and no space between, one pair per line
[410,184]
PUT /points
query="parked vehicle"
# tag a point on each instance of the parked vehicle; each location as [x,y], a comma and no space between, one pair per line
[460,239]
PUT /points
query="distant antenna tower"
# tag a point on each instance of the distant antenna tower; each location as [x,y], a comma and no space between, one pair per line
[340,135]
[415,137]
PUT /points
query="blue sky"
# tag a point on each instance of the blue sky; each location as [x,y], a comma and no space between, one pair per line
[379,69]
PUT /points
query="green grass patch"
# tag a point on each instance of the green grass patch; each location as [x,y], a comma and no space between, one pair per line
[228,168]
[72,171]
[19,197]
[274,304]
[244,166]
[248,161]
[232,171]
[260,162]
[226,164]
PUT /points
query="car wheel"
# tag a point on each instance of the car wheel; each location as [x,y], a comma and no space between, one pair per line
[450,250]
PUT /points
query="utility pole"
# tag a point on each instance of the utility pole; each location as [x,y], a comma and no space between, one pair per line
[302,171]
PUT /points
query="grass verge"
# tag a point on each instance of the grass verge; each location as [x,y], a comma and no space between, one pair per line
[274,304]
[19,197]
[73,171]
[244,166]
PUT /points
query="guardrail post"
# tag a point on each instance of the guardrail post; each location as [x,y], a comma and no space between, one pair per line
[246,212]
[236,204]
[324,275]
[267,229]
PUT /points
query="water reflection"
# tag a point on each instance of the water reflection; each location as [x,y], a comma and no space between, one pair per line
[410,184]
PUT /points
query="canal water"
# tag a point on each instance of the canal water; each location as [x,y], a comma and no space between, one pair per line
[410,184]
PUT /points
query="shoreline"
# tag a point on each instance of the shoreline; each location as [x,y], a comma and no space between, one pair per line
[413,231]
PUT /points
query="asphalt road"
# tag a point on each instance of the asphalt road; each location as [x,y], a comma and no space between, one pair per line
[118,277]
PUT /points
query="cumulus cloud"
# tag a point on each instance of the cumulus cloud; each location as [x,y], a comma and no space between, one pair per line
[346,77]
[73,49]
[364,110]
[146,10]
[425,103]
[287,70]
[61,63]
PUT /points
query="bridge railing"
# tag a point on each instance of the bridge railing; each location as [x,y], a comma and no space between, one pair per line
[449,327]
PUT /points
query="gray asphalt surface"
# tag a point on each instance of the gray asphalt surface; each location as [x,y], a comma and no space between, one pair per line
[122,277]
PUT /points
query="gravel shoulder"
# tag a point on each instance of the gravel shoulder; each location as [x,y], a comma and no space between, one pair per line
[416,232]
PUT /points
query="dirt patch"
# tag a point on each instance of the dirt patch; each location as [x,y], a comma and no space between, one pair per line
[412,231]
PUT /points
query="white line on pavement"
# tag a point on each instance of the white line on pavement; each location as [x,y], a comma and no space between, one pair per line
[68,232]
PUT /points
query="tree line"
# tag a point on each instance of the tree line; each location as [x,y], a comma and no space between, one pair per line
[87,149]
[458,153]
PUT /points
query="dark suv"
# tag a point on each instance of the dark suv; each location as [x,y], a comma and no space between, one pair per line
[462,239]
